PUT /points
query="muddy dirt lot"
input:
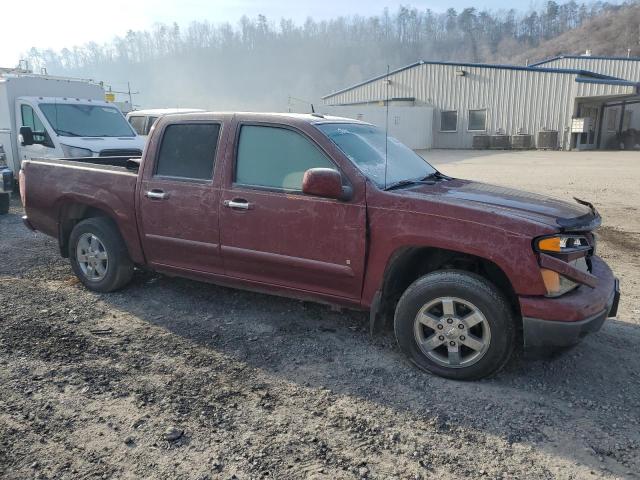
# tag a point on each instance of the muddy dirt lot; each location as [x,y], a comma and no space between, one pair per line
[177,379]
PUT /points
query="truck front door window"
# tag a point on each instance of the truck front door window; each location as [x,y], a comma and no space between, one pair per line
[276,158]
[188,151]
[30,119]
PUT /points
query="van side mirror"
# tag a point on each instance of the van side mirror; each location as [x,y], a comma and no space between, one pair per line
[326,183]
[26,136]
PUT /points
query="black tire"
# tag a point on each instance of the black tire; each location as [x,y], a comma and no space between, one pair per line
[119,269]
[468,287]
[5,200]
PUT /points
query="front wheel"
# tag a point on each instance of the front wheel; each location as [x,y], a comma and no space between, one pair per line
[99,255]
[455,324]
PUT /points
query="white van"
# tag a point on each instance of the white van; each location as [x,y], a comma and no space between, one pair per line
[42,116]
[143,120]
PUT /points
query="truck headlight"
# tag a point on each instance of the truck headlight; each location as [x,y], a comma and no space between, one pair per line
[560,244]
[571,248]
[71,152]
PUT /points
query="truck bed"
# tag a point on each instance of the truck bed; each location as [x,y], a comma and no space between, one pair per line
[53,186]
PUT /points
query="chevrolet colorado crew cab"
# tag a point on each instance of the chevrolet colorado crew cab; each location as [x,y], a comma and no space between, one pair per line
[332,210]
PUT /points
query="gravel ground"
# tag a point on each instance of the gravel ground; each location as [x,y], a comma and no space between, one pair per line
[176,379]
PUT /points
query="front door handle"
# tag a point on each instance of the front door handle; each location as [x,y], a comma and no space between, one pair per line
[237,203]
[156,194]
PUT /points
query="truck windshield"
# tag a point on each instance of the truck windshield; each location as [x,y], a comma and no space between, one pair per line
[73,120]
[365,146]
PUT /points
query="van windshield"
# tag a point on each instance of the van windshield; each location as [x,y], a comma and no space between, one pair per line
[73,120]
[365,146]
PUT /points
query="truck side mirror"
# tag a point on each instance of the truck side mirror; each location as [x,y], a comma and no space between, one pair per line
[325,182]
[26,136]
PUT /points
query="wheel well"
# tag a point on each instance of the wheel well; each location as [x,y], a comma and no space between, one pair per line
[411,263]
[70,215]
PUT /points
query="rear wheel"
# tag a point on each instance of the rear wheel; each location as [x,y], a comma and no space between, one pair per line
[99,255]
[455,324]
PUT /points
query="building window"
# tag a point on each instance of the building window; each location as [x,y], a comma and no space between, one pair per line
[612,117]
[449,121]
[477,120]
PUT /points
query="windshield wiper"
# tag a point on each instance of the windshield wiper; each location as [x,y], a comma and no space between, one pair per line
[428,180]
[437,176]
[404,183]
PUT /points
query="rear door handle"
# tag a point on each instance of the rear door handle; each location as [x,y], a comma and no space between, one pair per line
[239,203]
[156,194]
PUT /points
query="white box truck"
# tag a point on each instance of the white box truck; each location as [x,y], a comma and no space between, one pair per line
[43,116]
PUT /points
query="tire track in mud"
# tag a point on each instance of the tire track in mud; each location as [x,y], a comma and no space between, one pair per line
[629,242]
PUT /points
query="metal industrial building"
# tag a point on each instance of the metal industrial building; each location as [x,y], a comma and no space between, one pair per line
[617,116]
[619,67]
[484,105]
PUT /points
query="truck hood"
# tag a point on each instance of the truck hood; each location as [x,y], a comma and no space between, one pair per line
[97,144]
[507,201]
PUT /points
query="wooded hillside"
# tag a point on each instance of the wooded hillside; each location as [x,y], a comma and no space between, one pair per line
[261,63]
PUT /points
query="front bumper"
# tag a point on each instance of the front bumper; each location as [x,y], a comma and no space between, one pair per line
[581,312]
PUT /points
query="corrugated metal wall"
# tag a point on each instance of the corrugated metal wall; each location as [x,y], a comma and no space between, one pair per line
[517,101]
[602,90]
[620,68]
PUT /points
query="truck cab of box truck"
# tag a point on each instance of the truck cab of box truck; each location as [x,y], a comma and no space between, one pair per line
[52,117]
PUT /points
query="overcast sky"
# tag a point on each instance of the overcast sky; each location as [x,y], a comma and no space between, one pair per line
[64,23]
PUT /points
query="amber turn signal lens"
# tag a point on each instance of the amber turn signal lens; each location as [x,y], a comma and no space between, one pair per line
[555,283]
[551,244]
[551,280]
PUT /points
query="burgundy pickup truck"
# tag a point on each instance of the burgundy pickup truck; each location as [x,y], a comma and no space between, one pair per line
[307,207]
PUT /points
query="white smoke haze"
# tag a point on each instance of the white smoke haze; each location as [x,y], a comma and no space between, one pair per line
[259,63]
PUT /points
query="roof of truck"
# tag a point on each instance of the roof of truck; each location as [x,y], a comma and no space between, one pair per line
[164,111]
[274,116]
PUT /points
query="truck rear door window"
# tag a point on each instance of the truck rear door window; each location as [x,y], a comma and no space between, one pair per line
[188,151]
[276,158]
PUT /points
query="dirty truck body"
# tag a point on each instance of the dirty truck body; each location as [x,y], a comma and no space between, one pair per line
[307,207]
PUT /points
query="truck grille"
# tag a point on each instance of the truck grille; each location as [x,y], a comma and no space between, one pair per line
[121,152]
